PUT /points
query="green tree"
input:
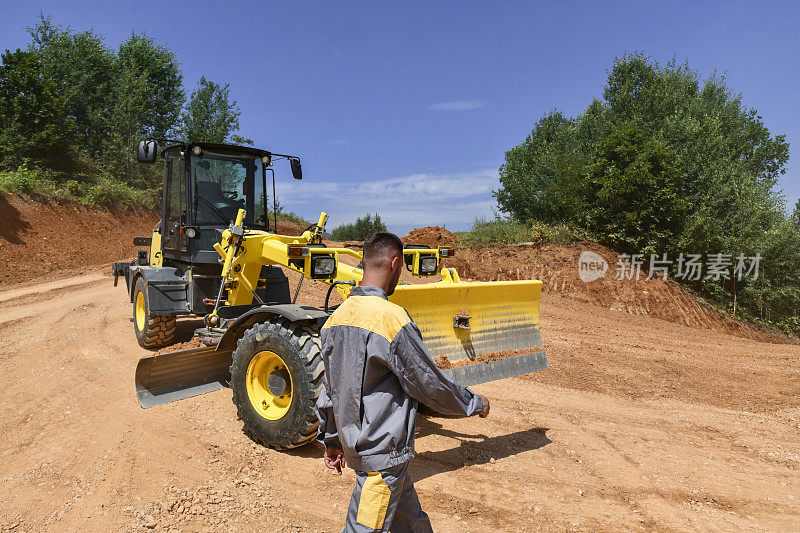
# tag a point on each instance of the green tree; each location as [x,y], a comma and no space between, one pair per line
[34,126]
[113,98]
[634,190]
[359,230]
[149,101]
[796,214]
[666,161]
[83,71]
[211,115]
[152,79]
[535,170]
[543,176]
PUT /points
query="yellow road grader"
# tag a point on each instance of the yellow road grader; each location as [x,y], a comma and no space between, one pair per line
[216,254]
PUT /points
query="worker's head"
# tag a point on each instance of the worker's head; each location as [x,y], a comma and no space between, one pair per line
[383,259]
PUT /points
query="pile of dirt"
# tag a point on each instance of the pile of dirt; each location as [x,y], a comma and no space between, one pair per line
[192,343]
[289,228]
[432,236]
[443,362]
[556,266]
[38,238]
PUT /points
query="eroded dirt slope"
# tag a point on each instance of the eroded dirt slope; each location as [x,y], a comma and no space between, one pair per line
[50,239]
[557,266]
[45,238]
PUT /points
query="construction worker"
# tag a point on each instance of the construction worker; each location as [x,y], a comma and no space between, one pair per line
[376,371]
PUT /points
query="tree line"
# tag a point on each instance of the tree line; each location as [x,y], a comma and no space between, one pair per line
[72,109]
[666,162]
[359,230]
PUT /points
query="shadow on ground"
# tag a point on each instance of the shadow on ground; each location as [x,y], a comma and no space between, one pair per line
[312,450]
[13,225]
[472,449]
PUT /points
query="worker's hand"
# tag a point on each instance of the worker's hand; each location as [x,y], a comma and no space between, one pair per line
[334,458]
[485,411]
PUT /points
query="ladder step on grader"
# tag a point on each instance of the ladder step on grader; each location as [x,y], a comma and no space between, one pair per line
[215,254]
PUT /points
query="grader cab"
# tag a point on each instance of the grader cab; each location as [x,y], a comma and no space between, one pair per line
[216,254]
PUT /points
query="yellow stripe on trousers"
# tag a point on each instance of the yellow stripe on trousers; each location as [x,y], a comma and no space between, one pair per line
[374,501]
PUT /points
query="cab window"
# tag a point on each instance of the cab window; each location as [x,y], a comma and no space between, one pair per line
[223,184]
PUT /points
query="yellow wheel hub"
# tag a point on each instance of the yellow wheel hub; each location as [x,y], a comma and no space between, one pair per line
[140,312]
[269,385]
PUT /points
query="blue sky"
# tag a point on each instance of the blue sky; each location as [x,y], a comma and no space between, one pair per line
[408,108]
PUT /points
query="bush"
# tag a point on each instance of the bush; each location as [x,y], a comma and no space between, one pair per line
[498,231]
[109,193]
[508,231]
[31,182]
[89,190]
[362,228]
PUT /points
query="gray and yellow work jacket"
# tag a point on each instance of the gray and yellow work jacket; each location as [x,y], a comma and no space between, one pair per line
[377,369]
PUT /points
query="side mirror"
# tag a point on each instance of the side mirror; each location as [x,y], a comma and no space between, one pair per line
[147,151]
[297,170]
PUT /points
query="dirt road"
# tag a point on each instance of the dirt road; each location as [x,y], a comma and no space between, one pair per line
[639,424]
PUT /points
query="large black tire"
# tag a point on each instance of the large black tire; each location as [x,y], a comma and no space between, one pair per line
[152,331]
[297,345]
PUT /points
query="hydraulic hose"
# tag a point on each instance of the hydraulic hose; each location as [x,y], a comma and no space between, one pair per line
[330,289]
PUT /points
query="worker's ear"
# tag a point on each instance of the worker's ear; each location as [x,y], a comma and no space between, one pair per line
[394,262]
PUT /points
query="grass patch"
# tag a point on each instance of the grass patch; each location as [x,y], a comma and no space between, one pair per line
[94,191]
[88,190]
[30,182]
[506,231]
[290,217]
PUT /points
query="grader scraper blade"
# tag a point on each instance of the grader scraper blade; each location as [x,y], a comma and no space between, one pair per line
[182,374]
[486,331]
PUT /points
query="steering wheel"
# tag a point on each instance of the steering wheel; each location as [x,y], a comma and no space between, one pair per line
[230,195]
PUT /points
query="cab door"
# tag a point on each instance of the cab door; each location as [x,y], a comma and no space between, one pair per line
[174,208]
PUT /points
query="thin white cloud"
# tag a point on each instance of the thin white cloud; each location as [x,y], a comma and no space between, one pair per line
[341,141]
[459,105]
[416,200]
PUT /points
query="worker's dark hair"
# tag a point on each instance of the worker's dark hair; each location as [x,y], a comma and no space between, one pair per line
[381,246]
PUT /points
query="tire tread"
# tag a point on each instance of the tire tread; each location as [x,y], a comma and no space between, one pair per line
[305,338]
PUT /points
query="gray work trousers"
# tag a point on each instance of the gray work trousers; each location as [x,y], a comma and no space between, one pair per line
[386,501]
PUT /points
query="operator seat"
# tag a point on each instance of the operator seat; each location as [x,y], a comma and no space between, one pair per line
[211,191]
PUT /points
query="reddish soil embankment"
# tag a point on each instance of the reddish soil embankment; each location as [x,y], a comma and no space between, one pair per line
[557,266]
[38,239]
[41,238]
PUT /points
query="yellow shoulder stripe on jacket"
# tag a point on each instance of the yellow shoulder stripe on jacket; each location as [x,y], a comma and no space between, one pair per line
[372,313]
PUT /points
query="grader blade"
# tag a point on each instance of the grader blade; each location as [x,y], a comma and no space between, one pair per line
[478,332]
[181,374]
